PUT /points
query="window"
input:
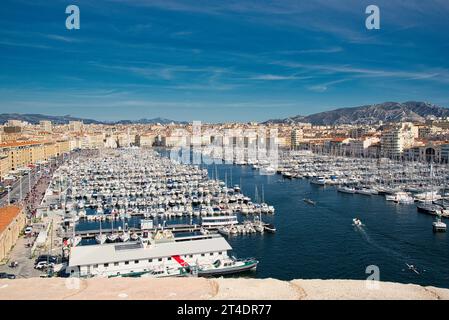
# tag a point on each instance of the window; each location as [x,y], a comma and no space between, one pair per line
[150,260]
[116,264]
[106,265]
[126,262]
[95,266]
[136,261]
[202,254]
[211,254]
[160,259]
[191,256]
[220,253]
[169,258]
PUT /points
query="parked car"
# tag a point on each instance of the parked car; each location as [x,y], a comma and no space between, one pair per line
[41,265]
[46,261]
[28,230]
[4,275]
[46,257]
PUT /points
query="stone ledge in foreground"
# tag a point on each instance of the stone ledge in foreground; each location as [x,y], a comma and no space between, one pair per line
[205,289]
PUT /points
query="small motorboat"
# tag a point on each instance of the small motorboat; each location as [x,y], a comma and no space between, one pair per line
[270,228]
[309,201]
[224,231]
[357,222]
[438,225]
[412,268]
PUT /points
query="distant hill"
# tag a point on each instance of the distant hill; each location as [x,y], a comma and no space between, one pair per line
[386,112]
[151,121]
[35,118]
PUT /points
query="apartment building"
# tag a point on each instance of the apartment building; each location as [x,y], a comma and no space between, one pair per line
[46,126]
[359,147]
[17,155]
[12,222]
[145,140]
[4,165]
[398,138]
[75,126]
[297,136]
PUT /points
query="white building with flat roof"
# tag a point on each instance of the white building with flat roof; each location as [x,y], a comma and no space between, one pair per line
[120,259]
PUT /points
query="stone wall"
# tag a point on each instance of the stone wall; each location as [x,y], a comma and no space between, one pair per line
[205,289]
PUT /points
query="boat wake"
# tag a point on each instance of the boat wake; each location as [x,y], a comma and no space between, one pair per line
[376,245]
[365,231]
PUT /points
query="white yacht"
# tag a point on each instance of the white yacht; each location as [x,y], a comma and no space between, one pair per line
[321,181]
[367,191]
[267,171]
[219,221]
[404,198]
[346,190]
[438,225]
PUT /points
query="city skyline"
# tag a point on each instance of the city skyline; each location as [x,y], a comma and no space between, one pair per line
[216,62]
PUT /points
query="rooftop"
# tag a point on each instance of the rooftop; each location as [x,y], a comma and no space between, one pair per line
[98,254]
[7,215]
[20,143]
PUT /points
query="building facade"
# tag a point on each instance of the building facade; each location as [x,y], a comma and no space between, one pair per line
[12,222]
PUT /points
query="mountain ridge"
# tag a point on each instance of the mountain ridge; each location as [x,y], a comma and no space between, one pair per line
[414,111]
[34,118]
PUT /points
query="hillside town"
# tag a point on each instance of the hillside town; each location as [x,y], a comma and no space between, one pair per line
[23,144]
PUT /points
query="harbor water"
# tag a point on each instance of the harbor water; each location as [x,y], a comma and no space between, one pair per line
[320,242]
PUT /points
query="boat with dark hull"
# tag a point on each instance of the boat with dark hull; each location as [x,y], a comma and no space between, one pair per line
[270,228]
[309,201]
[427,208]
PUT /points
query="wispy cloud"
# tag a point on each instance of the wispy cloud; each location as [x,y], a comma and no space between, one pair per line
[181,34]
[164,71]
[61,38]
[273,77]
[23,44]
[441,75]
[311,51]
[323,87]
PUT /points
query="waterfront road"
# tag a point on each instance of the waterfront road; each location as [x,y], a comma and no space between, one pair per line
[20,188]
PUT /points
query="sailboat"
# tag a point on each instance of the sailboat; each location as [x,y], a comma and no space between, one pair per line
[113,236]
[100,238]
[124,237]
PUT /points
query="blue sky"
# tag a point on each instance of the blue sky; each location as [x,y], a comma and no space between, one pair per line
[219,60]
